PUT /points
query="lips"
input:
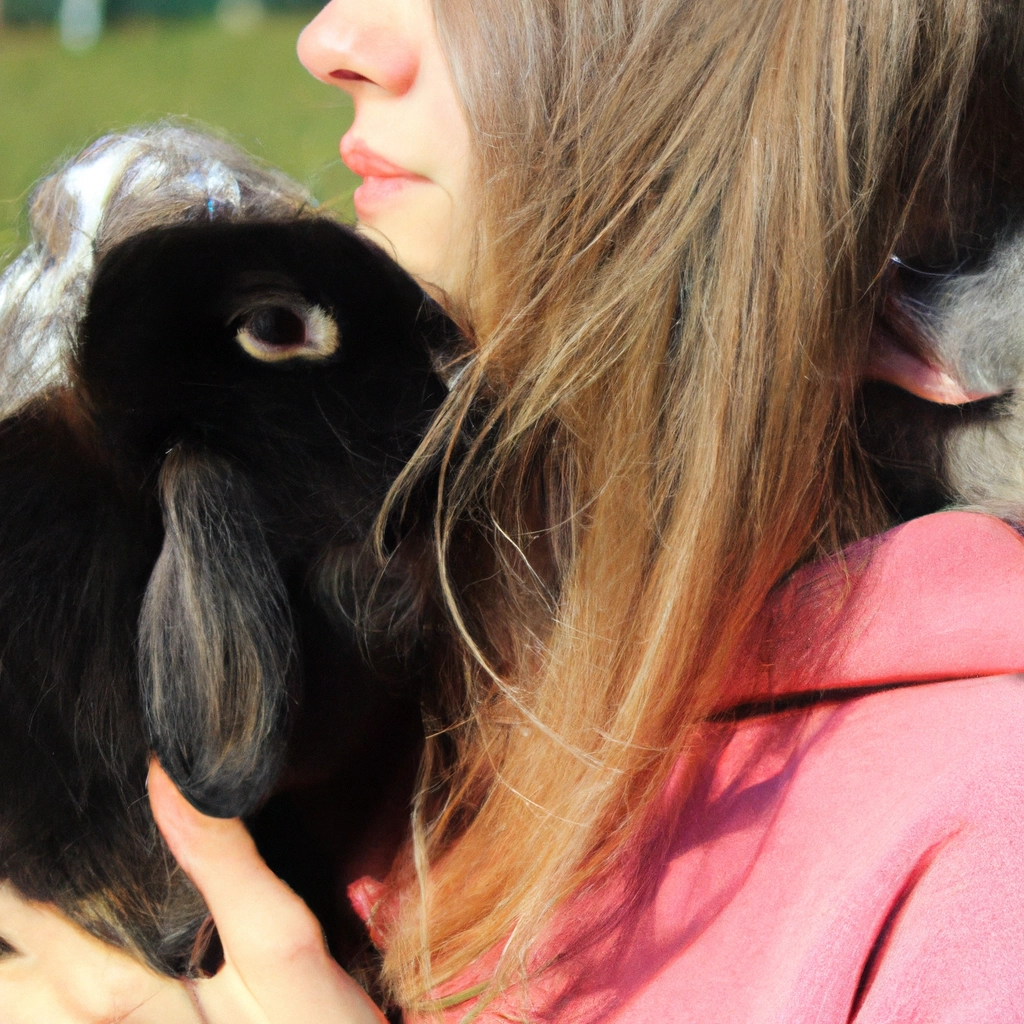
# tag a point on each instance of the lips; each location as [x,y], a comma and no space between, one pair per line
[382,179]
[362,160]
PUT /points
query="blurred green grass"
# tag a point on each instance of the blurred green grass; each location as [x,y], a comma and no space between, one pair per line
[250,86]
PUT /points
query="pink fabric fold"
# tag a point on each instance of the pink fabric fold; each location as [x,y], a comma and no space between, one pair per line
[854,860]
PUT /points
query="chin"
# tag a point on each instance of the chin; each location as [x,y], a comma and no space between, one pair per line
[417,256]
[415,230]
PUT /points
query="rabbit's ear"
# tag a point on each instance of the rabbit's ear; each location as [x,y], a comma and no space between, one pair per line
[215,640]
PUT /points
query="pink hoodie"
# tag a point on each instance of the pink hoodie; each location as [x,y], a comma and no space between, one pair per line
[858,859]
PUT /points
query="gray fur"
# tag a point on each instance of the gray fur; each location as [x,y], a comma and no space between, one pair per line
[971,325]
[985,463]
[976,322]
[215,638]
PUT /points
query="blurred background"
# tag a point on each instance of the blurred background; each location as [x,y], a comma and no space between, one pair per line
[71,70]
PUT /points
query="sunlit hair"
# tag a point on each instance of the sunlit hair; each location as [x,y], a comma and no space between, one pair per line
[685,209]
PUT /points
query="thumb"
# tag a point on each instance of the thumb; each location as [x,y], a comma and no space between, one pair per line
[220,857]
[270,937]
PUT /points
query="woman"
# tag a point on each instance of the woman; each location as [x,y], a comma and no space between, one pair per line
[665,224]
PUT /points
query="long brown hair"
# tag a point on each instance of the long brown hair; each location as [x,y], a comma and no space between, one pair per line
[685,207]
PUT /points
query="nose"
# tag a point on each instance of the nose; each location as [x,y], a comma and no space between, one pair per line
[357,45]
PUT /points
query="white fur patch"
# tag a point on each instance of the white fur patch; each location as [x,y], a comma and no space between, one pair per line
[43,293]
[92,182]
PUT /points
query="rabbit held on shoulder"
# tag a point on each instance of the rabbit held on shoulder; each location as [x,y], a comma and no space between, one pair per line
[207,390]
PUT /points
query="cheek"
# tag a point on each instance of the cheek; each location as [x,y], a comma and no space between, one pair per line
[428,225]
[107,986]
[25,1000]
[441,110]
[63,974]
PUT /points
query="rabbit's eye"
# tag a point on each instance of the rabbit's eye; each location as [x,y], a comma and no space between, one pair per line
[273,333]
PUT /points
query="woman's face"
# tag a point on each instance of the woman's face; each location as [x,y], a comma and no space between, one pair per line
[409,141]
[53,971]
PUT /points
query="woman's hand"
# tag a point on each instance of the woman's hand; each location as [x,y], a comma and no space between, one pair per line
[277,969]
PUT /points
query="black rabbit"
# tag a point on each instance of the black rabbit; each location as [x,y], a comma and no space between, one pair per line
[187,490]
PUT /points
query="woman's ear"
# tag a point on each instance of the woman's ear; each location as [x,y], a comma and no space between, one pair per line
[215,640]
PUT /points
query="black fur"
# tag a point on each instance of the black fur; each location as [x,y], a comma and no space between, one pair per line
[198,512]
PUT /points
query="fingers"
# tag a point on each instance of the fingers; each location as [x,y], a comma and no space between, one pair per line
[271,940]
[260,920]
